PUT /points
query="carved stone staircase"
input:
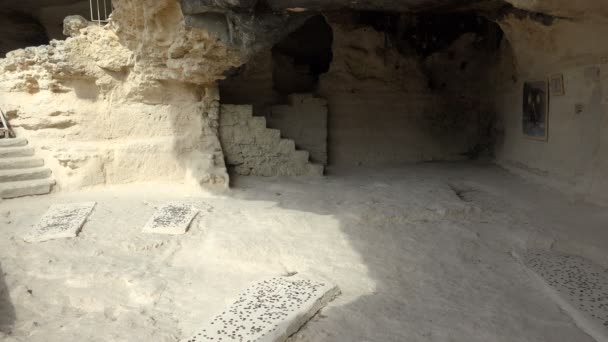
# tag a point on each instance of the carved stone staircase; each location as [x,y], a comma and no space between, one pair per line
[253,149]
[21,173]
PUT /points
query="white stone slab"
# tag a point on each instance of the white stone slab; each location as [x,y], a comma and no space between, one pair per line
[61,221]
[268,311]
[172,218]
[580,286]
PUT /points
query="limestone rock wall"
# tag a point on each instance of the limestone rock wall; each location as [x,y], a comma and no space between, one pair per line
[391,98]
[575,155]
[137,100]
[389,107]
[133,101]
[166,48]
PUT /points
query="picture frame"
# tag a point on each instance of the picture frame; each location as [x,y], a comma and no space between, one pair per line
[556,83]
[535,114]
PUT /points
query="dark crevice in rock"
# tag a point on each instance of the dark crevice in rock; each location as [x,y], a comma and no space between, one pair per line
[501,12]
[301,57]
[426,26]
[201,6]
[20,30]
[426,33]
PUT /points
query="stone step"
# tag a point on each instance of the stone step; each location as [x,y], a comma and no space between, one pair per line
[13,142]
[257,123]
[302,156]
[286,146]
[16,175]
[315,169]
[26,188]
[21,151]
[274,133]
[20,163]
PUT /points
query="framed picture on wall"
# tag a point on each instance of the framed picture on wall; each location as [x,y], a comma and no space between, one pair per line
[535,117]
[556,83]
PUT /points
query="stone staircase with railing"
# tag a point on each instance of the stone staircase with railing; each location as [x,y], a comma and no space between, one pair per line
[253,149]
[21,172]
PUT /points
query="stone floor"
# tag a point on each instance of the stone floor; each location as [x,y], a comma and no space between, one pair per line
[428,252]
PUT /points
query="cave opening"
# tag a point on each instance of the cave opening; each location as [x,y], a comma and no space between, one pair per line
[34,23]
[19,30]
[301,57]
[293,65]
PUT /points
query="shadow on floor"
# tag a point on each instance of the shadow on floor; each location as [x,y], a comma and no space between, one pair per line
[431,277]
[7,311]
[377,227]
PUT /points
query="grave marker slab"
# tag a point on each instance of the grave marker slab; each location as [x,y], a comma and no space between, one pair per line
[61,221]
[581,287]
[268,311]
[173,218]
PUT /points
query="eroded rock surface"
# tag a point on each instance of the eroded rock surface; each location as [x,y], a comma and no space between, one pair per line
[136,98]
[73,24]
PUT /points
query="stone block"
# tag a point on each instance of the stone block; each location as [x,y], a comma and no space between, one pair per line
[172,218]
[578,285]
[269,311]
[61,221]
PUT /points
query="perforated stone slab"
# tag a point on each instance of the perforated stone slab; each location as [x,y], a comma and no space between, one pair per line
[583,284]
[61,221]
[268,311]
[172,218]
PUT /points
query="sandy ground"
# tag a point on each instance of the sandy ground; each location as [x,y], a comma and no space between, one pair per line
[422,253]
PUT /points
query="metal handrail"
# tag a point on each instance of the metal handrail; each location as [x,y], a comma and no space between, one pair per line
[96,7]
[6,128]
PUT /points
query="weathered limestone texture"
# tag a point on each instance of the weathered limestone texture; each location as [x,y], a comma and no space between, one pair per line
[72,25]
[382,110]
[303,120]
[136,99]
[61,221]
[575,156]
[253,149]
[269,311]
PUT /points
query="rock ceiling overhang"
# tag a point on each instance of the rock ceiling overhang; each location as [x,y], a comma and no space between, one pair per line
[197,6]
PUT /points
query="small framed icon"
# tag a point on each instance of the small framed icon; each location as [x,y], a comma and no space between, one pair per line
[556,82]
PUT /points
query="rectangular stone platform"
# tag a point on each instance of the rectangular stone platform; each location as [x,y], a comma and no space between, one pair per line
[268,311]
[172,218]
[61,221]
